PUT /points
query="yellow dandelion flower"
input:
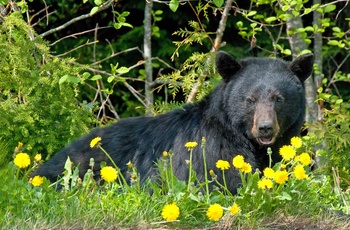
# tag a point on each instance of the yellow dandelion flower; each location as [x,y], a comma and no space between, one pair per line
[22,160]
[190,145]
[215,212]
[130,165]
[265,183]
[299,172]
[281,176]
[170,212]
[305,159]
[165,154]
[246,168]
[238,161]
[287,152]
[283,166]
[234,209]
[37,157]
[18,147]
[223,165]
[211,172]
[296,142]
[109,173]
[269,173]
[95,142]
[37,181]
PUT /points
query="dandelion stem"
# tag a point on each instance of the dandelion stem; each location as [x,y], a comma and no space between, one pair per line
[269,152]
[171,170]
[205,170]
[224,178]
[190,172]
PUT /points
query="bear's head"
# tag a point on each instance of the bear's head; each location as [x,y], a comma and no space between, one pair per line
[263,97]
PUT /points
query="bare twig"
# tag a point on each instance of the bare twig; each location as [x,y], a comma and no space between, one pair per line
[116,54]
[76,48]
[81,17]
[77,34]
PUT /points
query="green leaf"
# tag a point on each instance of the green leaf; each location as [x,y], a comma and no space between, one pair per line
[333,42]
[96,77]
[94,10]
[270,19]
[251,13]
[218,3]
[86,75]
[122,70]
[125,13]
[285,7]
[239,24]
[98,2]
[63,79]
[287,51]
[173,5]
[117,25]
[329,8]
[284,196]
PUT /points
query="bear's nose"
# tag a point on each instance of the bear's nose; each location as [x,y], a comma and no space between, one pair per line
[265,128]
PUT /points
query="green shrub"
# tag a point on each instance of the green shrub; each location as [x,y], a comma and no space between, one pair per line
[34,107]
[332,138]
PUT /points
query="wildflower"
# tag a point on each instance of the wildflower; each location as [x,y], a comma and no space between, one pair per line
[304,159]
[283,166]
[287,152]
[19,146]
[211,172]
[95,142]
[238,161]
[37,180]
[246,167]
[265,183]
[165,154]
[170,212]
[269,173]
[296,142]
[299,172]
[37,157]
[130,165]
[22,160]
[234,209]
[109,173]
[215,212]
[190,145]
[281,176]
[223,165]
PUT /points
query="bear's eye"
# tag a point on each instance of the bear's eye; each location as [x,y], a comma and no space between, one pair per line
[250,100]
[279,98]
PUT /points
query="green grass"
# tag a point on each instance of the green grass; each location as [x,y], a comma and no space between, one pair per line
[85,204]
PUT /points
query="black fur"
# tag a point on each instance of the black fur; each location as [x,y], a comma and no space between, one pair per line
[225,118]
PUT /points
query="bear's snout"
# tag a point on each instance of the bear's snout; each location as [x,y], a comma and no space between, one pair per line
[265,125]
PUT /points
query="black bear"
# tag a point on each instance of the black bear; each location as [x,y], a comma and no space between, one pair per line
[259,103]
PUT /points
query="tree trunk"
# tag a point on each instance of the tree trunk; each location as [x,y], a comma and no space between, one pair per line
[147,55]
[297,45]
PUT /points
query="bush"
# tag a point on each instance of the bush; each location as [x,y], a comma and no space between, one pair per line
[34,107]
[332,137]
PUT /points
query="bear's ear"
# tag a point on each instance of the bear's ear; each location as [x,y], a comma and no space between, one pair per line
[226,65]
[302,66]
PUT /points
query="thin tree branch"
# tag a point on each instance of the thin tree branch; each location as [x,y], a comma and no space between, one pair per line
[222,25]
[76,48]
[81,17]
[216,44]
